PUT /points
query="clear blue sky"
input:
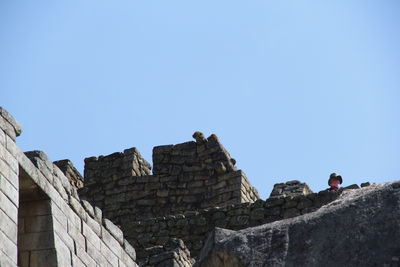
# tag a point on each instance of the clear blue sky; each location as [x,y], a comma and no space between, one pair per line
[293,89]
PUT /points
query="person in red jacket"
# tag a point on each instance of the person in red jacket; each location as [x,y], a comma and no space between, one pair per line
[335,181]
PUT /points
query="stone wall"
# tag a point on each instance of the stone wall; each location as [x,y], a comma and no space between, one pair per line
[171,253]
[73,175]
[205,157]
[54,227]
[291,188]
[193,226]
[100,171]
[188,176]
[9,184]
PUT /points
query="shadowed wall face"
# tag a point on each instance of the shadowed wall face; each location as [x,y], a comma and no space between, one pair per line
[35,226]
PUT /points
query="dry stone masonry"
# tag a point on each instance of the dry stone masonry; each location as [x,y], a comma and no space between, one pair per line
[43,222]
[292,188]
[188,176]
[194,226]
[124,212]
[73,175]
[360,228]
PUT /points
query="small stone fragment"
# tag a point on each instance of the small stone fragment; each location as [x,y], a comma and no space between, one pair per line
[199,137]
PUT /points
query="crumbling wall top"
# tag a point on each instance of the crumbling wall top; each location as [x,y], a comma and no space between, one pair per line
[291,188]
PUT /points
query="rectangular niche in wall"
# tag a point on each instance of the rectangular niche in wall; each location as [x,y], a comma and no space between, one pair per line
[35,225]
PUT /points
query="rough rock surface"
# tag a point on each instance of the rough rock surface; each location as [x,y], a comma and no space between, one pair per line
[360,228]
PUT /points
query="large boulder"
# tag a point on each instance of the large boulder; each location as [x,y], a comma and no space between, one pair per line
[360,228]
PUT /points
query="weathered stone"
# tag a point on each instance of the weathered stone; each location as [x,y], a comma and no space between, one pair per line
[291,212]
[353,186]
[114,230]
[68,169]
[77,207]
[304,203]
[146,202]
[199,137]
[273,211]
[8,119]
[368,214]
[257,214]
[290,203]
[272,202]
[365,184]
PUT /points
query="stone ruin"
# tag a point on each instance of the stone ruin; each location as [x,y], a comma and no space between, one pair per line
[125,212]
[43,221]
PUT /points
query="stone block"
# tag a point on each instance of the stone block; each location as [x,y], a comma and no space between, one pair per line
[60,188]
[59,215]
[141,194]
[7,128]
[11,120]
[62,233]
[191,199]
[162,257]
[239,220]
[9,190]
[11,176]
[111,242]
[291,212]
[152,186]
[84,257]
[76,235]
[365,184]
[198,183]
[63,252]
[146,202]
[88,207]
[129,250]
[304,203]
[353,186]
[162,193]
[11,146]
[308,210]
[114,230]
[98,214]
[165,149]
[36,241]
[257,214]
[290,203]
[70,172]
[46,257]
[274,211]
[94,225]
[8,207]
[39,223]
[148,179]
[109,255]
[77,262]
[95,254]
[2,138]
[91,236]
[9,159]
[272,202]
[9,228]
[8,247]
[77,207]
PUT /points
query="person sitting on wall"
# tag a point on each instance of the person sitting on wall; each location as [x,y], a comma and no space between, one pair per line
[335,181]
